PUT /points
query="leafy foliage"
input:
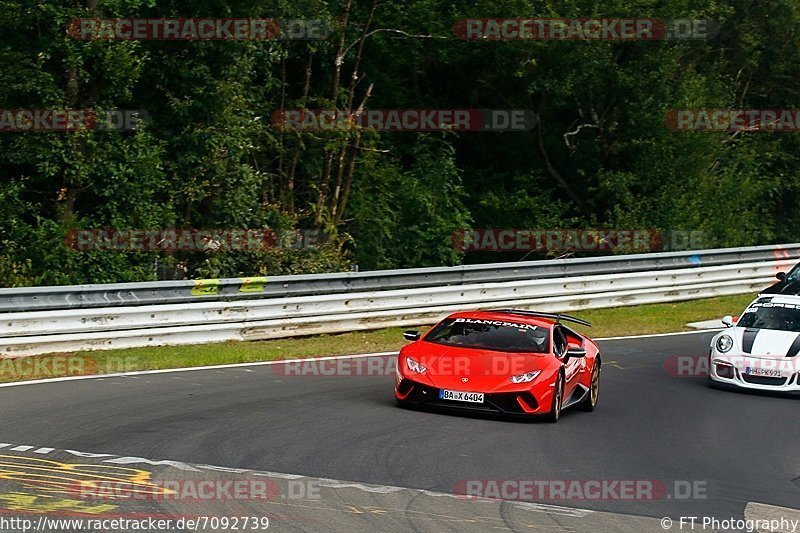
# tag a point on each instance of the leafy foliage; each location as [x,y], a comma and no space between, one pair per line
[600,155]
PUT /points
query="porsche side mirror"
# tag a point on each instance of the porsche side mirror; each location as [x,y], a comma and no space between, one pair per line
[575,352]
[728,321]
[411,335]
[781,276]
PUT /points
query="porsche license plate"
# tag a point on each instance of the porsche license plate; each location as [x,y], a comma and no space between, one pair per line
[767,372]
[461,396]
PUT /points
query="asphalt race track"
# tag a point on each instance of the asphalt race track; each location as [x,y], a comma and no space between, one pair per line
[339,455]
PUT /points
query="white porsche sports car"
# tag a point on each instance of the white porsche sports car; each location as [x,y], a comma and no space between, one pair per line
[760,350]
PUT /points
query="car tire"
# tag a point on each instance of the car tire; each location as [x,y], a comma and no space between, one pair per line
[555,408]
[589,403]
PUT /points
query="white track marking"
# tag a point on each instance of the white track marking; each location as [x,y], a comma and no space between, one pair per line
[268,363]
[653,335]
[44,450]
[324,482]
[191,369]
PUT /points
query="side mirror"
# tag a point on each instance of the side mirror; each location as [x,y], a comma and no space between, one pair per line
[781,276]
[575,352]
[411,335]
[728,321]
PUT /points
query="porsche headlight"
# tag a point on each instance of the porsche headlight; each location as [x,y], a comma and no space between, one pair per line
[724,343]
[415,366]
[525,378]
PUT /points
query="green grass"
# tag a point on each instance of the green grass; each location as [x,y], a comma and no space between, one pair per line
[620,321]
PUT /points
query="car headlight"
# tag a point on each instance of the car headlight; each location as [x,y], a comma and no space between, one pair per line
[525,378]
[415,366]
[724,343]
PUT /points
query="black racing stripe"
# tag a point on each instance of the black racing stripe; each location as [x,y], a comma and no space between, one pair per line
[748,338]
[794,349]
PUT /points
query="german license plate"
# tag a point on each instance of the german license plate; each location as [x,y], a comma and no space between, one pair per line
[461,396]
[768,372]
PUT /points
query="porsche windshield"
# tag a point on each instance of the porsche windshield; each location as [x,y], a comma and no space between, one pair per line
[793,274]
[771,316]
[490,335]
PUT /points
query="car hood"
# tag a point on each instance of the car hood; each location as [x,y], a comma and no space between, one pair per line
[764,343]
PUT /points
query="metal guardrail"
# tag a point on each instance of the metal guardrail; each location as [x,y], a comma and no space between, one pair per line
[299,305]
[165,292]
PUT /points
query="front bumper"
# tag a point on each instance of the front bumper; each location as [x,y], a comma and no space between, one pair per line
[524,403]
[731,373]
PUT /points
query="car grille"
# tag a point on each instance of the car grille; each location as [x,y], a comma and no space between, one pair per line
[498,403]
[724,371]
[405,386]
[764,380]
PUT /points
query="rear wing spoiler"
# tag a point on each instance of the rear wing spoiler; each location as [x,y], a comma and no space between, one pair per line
[558,317]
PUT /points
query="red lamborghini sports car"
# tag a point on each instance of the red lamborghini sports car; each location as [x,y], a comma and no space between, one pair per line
[508,361]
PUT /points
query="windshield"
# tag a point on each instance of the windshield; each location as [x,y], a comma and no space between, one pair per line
[785,317]
[491,335]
